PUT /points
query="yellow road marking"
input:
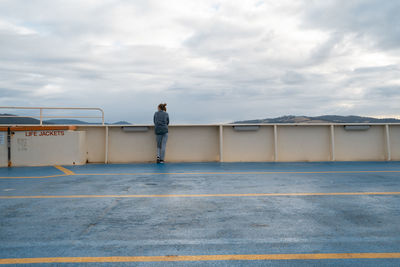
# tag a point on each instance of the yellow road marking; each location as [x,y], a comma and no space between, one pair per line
[207,195]
[64,170]
[31,177]
[205,173]
[317,256]
[69,172]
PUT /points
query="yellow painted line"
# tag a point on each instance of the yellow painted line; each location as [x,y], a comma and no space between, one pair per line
[32,177]
[69,172]
[222,173]
[228,173]
[207,195]
[317,256]
[64,170]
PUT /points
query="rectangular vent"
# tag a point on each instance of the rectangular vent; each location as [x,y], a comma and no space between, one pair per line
[135,128]
[356,127]
[246,128]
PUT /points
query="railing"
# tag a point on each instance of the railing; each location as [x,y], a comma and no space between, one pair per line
[41,117]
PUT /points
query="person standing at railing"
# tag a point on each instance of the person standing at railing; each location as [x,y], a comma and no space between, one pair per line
[161,122]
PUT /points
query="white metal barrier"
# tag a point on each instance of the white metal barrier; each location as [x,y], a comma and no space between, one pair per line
[41,116]
[80,144]
[247,143]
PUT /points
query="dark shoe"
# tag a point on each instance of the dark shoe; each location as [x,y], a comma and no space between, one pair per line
[158,160]
[161,161]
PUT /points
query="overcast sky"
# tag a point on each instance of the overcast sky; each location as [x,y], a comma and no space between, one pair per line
[211,61]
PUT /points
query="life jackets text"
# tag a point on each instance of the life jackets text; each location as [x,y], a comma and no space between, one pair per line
[44,133]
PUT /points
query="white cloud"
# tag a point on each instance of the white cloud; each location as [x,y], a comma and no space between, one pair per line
[210,60]
[49,90]
[8,27]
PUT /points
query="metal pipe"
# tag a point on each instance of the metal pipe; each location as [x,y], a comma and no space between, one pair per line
[387,139]
[102,116]
[92,117]
[275,142]
[106,146]
[54,108]
[11,116]
[221,143]
[78,108]
[9,146]
[332,142]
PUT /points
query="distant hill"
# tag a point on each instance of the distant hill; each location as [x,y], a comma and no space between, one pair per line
[66,121]
[321,119]
[121,122]
[17,120]
[13,119]
[76,122]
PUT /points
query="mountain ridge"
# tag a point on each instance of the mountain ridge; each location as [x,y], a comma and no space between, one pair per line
[13,119]
[320,119]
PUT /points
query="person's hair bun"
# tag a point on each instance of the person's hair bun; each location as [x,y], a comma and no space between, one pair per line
[163,106]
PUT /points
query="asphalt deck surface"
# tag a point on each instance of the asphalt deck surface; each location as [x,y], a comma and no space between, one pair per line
[224,213]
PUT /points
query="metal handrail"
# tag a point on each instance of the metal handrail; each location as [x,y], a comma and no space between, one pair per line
[54,108]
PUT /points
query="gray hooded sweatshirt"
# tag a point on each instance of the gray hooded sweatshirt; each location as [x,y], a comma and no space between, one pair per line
[161,121]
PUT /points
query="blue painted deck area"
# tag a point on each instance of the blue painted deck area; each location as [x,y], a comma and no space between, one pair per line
[70,223]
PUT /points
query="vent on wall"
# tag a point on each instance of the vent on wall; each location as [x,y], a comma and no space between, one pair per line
[135,128]
[246,128]
[356,127]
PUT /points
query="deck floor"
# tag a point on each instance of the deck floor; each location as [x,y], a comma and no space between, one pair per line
[202,214]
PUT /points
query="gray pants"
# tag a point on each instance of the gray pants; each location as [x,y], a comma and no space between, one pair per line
[161,144]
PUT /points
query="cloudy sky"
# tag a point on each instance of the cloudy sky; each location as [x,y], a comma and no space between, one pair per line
[210,60]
